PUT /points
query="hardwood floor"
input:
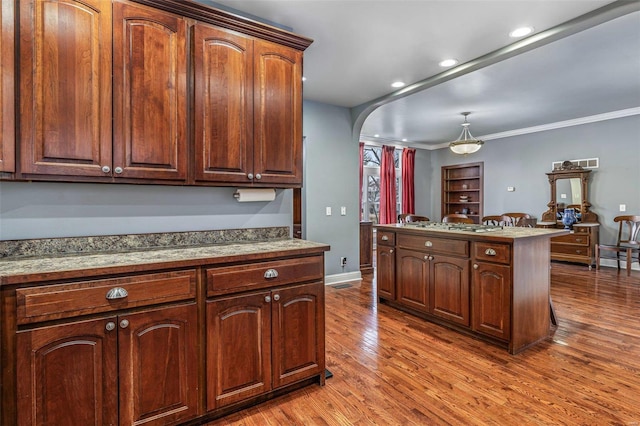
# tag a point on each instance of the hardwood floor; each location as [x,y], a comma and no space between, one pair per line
[394,369]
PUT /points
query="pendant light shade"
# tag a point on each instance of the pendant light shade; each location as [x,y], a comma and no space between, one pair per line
[466,143]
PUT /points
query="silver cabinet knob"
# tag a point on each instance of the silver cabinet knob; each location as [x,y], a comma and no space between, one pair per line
[271,273]
[428,244]
[124,323]
[267,299]
[384,238]
[276,297]
[117,293]
[106,169]
[258,176]
[118,170]
[250,176]
[431,257]
[110,326]
[475,266]
[390,251]
[426,258]
[490,252]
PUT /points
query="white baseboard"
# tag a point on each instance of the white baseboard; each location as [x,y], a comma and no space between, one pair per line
[623,265]
[342,278]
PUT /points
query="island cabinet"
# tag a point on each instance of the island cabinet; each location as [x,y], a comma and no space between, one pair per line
[386,264]
[278,330]
[7,82]
[123,367]
[492,285]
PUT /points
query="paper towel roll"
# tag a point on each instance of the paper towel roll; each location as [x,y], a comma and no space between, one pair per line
[255,194]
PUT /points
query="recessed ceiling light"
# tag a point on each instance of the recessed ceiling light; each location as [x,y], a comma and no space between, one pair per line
[397,84]
[448,62]
[521,32]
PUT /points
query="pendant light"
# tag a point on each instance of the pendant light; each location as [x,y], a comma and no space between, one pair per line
[466,143]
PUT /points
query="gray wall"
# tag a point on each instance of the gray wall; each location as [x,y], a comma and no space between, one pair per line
[52,209]
[522,162]
[331,180]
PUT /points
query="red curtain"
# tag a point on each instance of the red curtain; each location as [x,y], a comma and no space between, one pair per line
[361,169]
[388,187]
[408,164]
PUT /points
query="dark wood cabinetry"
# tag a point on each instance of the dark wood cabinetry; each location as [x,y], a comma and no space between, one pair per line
[463,189]
[65,87]
[494,285]
[107,96]
[149,93]
[366,247]
[386,264]
[128,368]
[248,109]
[7,82]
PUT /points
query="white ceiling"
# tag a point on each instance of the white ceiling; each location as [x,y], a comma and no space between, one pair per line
[361,46]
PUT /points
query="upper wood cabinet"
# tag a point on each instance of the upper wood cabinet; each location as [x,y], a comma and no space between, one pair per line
[150,93]
[7,98]
[248,109]
[65,87]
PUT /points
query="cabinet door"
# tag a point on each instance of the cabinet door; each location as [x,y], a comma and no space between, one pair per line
[158,366]
[150,83]
[238,358]
[413,279]
[7,96]
[278,114]
[492,300]
[386,272]
[68,374]
[450,287]
[298,333]
[223,108]
[65,87]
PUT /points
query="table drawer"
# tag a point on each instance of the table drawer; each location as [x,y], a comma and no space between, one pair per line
[572,249]
[386,238]
[434,245]
[578,239]
[243,277]
[35,304]
[492,252]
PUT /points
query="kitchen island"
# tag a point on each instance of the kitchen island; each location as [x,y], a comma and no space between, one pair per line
[174,328]
[489,282]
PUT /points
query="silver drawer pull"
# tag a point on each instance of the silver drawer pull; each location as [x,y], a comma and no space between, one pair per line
[117,293]
[578,240]
[428,244]
[490,252]
[384,238]
[271,273]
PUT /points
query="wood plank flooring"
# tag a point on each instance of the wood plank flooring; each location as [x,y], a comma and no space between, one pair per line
[394,369]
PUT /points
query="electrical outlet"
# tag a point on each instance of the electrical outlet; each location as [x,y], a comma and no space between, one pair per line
[343,261]
[623,207]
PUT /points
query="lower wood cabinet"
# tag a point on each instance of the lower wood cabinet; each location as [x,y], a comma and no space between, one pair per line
[492,300]
[280,334]
[133,368]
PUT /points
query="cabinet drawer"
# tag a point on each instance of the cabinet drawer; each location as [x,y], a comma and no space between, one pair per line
[386,238]
[56,301]
[578,239]
[434,245]
[263,274]
[572,249]
[492,252]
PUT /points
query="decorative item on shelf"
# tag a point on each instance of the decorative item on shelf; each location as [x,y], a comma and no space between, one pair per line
[466,143]
[465,186]
[464,198]
[465,211]
[569,218]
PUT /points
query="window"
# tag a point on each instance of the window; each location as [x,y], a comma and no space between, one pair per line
[371,182]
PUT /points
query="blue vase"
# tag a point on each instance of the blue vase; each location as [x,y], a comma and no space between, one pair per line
[568,218]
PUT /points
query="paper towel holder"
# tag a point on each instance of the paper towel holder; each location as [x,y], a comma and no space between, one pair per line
[243,195]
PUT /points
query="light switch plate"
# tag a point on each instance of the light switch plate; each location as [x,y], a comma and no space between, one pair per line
[623,207]
[343,211]
[328,211]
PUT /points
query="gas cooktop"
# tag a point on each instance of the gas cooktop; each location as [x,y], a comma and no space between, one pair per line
[468,227]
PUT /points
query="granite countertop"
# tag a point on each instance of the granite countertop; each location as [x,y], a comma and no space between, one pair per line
[507,232]
[18,269]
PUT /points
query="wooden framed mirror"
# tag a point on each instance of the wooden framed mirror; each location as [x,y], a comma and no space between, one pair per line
[569,189]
